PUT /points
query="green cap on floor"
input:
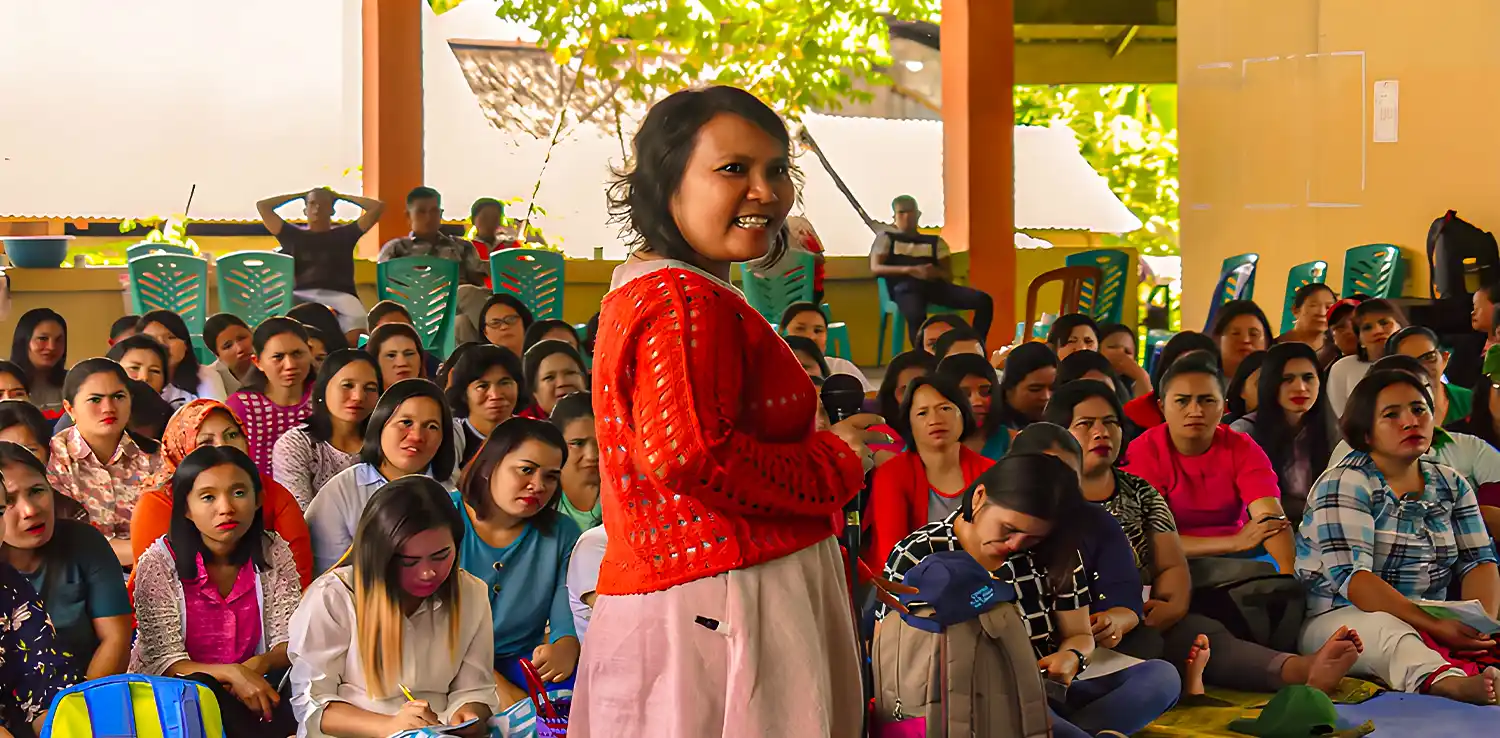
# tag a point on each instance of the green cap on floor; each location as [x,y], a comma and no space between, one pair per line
[1297,711]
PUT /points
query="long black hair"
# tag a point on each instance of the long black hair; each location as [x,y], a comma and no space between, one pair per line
[1023,360]
[806,345]
[538,330]
[447,454]
[889,403]
[1045,488]
[317,315]
[479,359]
[640,196]
[215,326]
[1359,414]
[957,368]
[20,346]
[183,534]
[319,423]
[505,438]
[185,376]
[1234,404]
[950,392]
[1274,434]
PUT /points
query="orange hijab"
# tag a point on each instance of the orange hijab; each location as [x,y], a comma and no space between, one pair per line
[181,438]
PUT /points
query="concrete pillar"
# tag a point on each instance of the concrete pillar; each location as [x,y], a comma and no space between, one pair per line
[392,99]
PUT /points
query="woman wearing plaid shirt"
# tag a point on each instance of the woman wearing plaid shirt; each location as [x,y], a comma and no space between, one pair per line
[1385,527]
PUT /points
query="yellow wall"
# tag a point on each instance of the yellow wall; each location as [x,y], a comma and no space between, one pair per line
[1276,135]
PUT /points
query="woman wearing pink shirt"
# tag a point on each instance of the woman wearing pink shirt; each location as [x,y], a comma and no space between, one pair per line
[1219,484]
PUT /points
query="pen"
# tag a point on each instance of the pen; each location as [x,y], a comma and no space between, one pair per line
[407,692]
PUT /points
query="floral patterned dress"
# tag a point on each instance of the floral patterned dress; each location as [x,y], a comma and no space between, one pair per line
[32,671]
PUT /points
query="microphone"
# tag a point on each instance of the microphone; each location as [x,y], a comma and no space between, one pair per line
[843,396]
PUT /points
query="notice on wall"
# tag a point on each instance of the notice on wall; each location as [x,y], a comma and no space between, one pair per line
[1387,110]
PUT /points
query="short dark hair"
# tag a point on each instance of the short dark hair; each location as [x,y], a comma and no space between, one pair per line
[1069,396]
[531,363]
[1182,344]
[20,345]
[407,389]
[1080,363]
[540,328]
[127,323]
[384,333]
[805,345]
[889,404]
[21,412]
[1191,364]
[217,324]
[945,344]
[1062,329]
[950,392]
[317,315]
[1393,344]
[512,302]
[1234,403]
[900,200]
[1239,309]
[380,310]
[797,308]
[1039,438]
[1306,291]
[139,342]
[472,365]
[319,423]
[952,320]
[485,202]
[1109,329]
[183,534]
[185,377]
[475,485]
[576,406]
[422,192]
[1359,413]
[640,196]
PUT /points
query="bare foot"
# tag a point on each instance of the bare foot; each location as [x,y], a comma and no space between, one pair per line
[1338,654]
[1197,661]
[1477,690]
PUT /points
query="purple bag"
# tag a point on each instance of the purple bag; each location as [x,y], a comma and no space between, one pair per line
[551,715]
[907,728]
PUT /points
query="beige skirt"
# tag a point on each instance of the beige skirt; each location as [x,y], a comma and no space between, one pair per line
[765,651]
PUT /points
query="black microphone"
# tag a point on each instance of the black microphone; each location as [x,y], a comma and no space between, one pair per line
[843,396]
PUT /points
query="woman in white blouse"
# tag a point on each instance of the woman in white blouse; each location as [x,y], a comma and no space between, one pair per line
[187,380]
[361,637]
[410,432]
[329,441]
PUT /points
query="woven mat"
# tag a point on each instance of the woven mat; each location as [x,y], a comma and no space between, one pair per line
[1213,721]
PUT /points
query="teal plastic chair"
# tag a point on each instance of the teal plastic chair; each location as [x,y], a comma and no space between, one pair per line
[1107,303]
[1377,270]
[838,337]
[255,285]
[771,293]
[145,249]
[1236,282]
[890,317]
[1302,275]
[173,282]
[427,286]
[534,276]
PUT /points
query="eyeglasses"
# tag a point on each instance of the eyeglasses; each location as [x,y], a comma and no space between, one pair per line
[508,321]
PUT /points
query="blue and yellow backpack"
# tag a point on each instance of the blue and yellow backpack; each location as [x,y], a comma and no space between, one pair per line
[135,706]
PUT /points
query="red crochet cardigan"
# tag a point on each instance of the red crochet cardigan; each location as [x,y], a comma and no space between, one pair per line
[899,493]
[706,436]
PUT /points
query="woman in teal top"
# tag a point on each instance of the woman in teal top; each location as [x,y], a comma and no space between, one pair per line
[974,375]
[519,545]
[574,416]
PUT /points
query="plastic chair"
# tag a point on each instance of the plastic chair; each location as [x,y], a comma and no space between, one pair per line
[790,281]
[1377,270]
[1236,282]
[534,276]
[173,282]
[427,286]
[1072,278]
[255,285]
[838,337]
[890,317]
[1107,303]
[1302,275]
[145,248]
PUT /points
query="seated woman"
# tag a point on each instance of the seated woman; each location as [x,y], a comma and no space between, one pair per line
[1243,395]
[976,379]
[1010,522]
[1295,426]
[904,369]
[1386,527]
[1073,332]
[807,320]
[553,370]
[97,461]
[925,483]
[228,337]
[583,577]
[144,360]
[320,318]
[1241,329]
[13,382]
[1184,639]
[410,432]
[71,567]
[186,379]
[275,398]
[574,417]
[506,320]
[1450,404]
[1310,305]
[203,423]
[1117,343]
[519,546]
[808,355]
[1212,477]
[23,424]
[328,441]
[1374,321]
[39,349]
[936,326]
[1145,410]
[1343,337]
[215,595]
[484,390]
[317,348]
[1026,386]
[31,680]
[552,330]
[398,352]
[396,615]
[958,341]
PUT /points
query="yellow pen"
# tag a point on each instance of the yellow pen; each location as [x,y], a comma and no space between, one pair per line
[407,692]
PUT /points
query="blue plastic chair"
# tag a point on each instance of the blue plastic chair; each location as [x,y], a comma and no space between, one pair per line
[1302,275]
[534,276]
[427,286]
[1236,282]
[173,282]
[1377,270]
[1107,303]
[255,285]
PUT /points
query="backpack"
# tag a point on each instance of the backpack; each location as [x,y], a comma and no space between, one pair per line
[131,705]
[1251,599]
[1461,258]
[977,679]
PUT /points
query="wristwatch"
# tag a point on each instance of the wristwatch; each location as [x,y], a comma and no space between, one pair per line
[1083,661]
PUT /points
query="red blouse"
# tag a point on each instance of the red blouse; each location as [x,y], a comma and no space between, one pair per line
[899,493]
[708,453]
[1144,412]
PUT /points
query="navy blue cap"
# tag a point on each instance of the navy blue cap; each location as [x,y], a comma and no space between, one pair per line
[955,586]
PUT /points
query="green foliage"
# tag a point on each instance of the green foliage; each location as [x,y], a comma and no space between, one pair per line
[1129,134]
[796,54]
[169,229]
[534,238]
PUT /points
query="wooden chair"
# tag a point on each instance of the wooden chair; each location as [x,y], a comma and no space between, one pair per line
[1072,278]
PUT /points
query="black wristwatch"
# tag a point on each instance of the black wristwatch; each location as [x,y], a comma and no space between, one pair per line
[1083,661]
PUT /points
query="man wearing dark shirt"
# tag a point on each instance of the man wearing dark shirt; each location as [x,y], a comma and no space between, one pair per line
[324,253]
[919,272]
[424,207]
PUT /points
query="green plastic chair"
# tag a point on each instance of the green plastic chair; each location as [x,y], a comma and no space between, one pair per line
[1236,282]
[838,337]
[534,276]
[890,317]
[1377,270]
[427,286]
[145,249]
[1106,304]
[771,293]
[1302,275]
[173,282]
[255,285]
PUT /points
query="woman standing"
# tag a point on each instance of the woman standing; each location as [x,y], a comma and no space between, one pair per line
[40,349]
[275,399]
[484,390]
[1294,426]
[579,501]
[328,442]
[710,422]
[186,379]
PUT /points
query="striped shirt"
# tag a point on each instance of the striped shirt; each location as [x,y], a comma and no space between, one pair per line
[1142,513]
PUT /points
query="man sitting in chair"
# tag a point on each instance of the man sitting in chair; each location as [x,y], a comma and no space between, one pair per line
[424,207]
[919,272]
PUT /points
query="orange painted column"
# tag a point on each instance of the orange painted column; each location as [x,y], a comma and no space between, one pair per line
[978,141]
[392,97]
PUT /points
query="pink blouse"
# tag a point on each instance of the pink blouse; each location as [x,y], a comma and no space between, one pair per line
[265,422]
[222,630]
[1209,494]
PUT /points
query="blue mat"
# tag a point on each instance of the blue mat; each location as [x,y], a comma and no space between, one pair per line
[1422,715]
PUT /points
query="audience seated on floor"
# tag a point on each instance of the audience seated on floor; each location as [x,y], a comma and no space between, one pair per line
[976,379]
[328,441]
[1295,426]
[553,370]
